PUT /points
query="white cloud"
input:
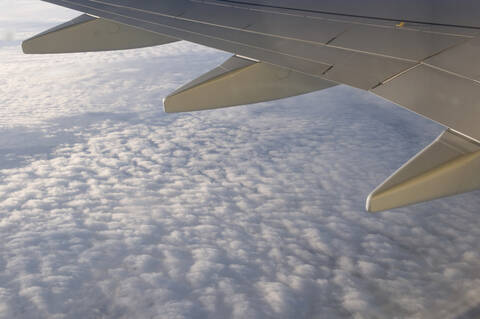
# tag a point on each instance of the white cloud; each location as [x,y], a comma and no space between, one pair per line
[111,208]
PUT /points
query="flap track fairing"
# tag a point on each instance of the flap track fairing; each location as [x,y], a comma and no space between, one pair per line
[88,34]
[241,81]
[449,166]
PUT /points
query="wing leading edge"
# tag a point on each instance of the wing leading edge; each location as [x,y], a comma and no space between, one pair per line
[427,68]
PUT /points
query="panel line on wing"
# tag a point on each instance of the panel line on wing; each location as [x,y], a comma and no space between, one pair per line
[165,26]
[450,72]
[346,15]
[361,61]
[336,37]
[395,76]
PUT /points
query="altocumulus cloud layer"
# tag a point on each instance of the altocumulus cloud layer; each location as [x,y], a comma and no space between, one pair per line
[110,208]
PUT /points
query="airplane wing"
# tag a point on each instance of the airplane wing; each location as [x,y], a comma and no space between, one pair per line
[418,54]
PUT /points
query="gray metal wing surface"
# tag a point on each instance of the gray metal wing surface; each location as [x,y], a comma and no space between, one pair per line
[421,55]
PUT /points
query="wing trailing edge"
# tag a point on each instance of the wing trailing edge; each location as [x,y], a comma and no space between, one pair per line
[241,81]
[88,34]
[449,166]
